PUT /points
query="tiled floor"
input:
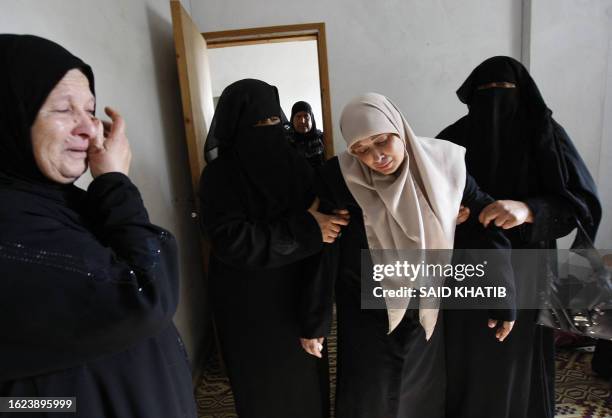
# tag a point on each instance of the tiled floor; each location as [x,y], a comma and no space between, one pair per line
[579,394]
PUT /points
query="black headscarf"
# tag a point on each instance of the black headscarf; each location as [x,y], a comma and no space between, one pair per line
[30,67]
[273,171]
[304,107]
[510,132]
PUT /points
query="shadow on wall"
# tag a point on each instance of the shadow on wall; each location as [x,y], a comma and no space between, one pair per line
[193,315]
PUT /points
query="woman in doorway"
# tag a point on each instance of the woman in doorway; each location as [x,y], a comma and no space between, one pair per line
[403,192]
[259,213]
[517,153]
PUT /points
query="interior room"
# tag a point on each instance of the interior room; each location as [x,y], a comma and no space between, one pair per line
[164,65]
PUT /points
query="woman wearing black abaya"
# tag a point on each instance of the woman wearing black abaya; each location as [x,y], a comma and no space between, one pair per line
[88,285]
[518,154]
[266,236]
[306,138]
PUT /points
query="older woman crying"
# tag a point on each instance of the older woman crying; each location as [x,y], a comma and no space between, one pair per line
[88,285]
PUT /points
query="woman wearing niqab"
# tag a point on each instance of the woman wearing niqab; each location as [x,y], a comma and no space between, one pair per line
[265,248]
[519,154]
[88,286]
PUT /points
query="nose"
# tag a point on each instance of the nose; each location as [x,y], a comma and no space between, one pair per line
[86,127]
[378,156]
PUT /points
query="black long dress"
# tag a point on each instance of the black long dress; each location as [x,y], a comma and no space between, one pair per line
[400,375]
[514,150]
[88,286]
[88,290]
[265,248]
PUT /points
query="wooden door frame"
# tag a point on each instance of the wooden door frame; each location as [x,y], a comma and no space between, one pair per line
[286,33]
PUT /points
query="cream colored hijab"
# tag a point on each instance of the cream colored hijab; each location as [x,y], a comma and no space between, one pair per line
[414,208]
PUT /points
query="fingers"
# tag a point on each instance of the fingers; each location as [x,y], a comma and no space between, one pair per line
[464,214]
[510,223]
[339,220]
[504,330]
[315,204]
[107,127]
[313,346]
[495,212]
[488,214]
[97,144]
[118,125]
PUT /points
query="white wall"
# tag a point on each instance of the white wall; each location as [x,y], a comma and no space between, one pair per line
[130,47]
[293,67]
[417,52]
[571,61]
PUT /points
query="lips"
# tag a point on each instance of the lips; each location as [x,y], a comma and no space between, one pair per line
[384,166]
[78,151]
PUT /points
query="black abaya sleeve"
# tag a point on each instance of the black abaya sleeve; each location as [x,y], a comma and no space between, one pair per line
[317,301]
[240,241]
[473,235]
[552,218]
[61,308]
[554,214]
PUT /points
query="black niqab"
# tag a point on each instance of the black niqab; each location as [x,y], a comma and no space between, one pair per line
[279,179]
[509,130]
[30,67]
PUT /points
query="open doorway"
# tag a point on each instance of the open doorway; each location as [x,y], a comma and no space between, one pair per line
[292,67]
[293,58]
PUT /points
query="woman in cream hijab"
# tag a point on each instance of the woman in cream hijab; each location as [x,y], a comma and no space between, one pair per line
[402,192]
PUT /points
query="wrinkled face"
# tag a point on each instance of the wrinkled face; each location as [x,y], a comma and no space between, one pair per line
[302,122]
[383,153]
[63,129]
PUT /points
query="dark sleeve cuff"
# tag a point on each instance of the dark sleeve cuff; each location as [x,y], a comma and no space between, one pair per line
[502,314]
[307,228]
[108,179]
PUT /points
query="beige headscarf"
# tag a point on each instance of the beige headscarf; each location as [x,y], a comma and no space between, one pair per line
[414,208]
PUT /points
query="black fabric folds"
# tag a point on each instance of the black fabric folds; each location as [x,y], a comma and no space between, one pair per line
[265,251]
[88,286]
[510,132]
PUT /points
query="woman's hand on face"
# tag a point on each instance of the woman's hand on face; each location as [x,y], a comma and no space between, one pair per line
[330,225]
[313,346]
[464,214]
[506,214]
[504,329]
[110,152]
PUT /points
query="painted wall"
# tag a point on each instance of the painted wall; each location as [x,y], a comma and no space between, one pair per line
[130,47]
[417,52]
[571,60]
